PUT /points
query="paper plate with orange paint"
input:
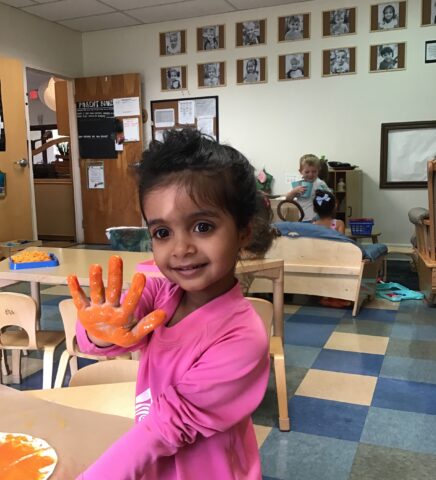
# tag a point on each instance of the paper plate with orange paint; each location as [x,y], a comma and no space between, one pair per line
[25,457]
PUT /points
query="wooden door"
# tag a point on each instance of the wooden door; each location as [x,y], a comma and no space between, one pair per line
[117,203]
[16,206]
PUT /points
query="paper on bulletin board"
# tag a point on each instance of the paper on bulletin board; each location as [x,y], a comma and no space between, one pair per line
[158,135]
[96,175]
[186,112]
[125,107]
[205,107]
[205,125]
[164,118]
[131,129]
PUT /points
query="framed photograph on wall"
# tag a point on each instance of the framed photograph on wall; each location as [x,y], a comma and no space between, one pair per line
[428,16]
[387,57]
[294,66]
[341,21]
[251,32]
[339,61]
[430,51]
[211,74]
[210,37]
[172,43]
[388,16]
[405,150]
[173,78]
[294,27]
[251,70]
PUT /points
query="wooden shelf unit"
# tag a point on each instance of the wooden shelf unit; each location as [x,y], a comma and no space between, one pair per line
[350,200]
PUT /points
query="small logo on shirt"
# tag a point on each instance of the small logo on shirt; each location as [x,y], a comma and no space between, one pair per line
[143,404]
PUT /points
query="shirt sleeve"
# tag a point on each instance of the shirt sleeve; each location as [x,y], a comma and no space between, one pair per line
[223,387]
[146,304]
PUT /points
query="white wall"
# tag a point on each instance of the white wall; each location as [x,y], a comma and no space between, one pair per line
[275,123]
[40,44]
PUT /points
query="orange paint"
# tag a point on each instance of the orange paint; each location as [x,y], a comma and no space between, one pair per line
[105,318]
[20,460]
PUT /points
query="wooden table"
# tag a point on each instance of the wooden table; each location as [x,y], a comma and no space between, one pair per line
[77,261]
[78,435]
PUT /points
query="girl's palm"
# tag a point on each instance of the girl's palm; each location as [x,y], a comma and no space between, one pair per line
[104,317]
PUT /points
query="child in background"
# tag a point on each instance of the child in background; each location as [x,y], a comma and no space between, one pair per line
[309,169]
[250,33]
[296,67]
[210,41]
[173,81]
[324,204]
[388,62]
[252,74]
[340,61]
[211,75]
[205,367]
[390,18]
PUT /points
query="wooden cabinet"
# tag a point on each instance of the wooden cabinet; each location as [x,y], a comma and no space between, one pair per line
[347,187]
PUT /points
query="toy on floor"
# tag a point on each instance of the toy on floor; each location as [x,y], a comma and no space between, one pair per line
[396,292]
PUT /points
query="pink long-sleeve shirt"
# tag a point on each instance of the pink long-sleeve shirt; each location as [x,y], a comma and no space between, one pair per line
[198,383]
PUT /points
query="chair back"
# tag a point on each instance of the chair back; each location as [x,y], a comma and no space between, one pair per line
[17,309]
[106,371]
[431,178]
[265,311]
[69,319]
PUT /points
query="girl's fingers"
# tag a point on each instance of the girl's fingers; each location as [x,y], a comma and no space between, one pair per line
[114,281]
[96,284]
[79,297]
[141,329]
[134,294]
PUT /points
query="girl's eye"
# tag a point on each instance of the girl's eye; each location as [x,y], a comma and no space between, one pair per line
[203,227]
[161,233]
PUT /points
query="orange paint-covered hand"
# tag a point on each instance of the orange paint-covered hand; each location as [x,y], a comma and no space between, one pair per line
[103,317]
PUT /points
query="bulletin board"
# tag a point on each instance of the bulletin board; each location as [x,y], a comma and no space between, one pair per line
[195,112]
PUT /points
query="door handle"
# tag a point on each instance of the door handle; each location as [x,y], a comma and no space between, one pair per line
[23,162]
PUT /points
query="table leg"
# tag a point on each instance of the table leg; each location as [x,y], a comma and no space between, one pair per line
[278,295]
[36,295]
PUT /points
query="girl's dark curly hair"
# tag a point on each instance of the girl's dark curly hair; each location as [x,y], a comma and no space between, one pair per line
[212,174]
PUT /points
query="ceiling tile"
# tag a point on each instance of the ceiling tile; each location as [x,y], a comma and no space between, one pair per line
[129,4]
[177,11]
[68,9]
[18,3]
[100,22]
[249,4]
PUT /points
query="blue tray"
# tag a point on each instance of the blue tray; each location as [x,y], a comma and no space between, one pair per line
[54,262]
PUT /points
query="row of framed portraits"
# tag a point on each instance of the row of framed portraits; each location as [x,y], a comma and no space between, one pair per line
[341,21]
[293,66]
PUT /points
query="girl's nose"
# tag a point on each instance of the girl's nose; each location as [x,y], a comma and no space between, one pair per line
[183,246]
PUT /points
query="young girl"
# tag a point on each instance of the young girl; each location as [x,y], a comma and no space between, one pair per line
[390,19]
[339,22]
[205,368]
[324,205]
[309,169]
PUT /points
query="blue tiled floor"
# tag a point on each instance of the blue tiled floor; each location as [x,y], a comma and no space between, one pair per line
[392,438]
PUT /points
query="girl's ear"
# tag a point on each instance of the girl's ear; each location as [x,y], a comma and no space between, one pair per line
[245,236]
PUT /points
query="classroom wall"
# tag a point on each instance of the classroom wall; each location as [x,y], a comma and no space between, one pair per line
[275,123]
[40,44]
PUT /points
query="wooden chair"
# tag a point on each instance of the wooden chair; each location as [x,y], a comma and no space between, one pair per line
[286,211]
[19,310]
[425,228]
[111,371]
[69,355]
[265,311]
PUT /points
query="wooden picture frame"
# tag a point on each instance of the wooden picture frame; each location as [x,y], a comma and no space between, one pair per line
[338,61]
[211,74]
[250,33]
[251,70]
[210,37]
[172,43]
[173,78]
[387,57]
[294,27]
[405,149]
[428,13]
[339,22]
[388,16]
[294,66]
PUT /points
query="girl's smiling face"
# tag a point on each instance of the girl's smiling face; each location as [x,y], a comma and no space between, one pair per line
[194,246]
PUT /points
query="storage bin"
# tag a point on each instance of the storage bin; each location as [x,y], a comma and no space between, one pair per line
[361,226]
[131,239]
